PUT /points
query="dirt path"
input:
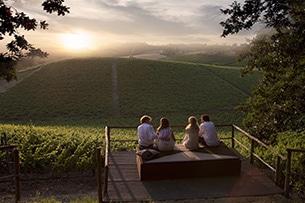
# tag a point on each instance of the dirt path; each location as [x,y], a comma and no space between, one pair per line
[4,85]
[115,96]
[228,83]
[61,189]
[69,189]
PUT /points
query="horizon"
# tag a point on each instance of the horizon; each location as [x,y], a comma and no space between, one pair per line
[93,26]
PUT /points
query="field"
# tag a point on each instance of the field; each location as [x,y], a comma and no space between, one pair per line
[105,91]
[205,57]
[57,114]
[71,101]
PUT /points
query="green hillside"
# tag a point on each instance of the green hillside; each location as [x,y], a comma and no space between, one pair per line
[57,115]
[107,91]
[205,57]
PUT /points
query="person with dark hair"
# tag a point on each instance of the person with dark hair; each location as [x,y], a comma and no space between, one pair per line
[207,132]
[190,141]
[146,133]
[166,139]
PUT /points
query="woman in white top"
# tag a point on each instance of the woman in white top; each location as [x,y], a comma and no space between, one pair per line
[190,141]
[166,139]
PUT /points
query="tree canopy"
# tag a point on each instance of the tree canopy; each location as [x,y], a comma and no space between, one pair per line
[277,102]
[11,22]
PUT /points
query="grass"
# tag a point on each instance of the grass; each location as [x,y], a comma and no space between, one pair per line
[62,109]
[79,92]
[221,59]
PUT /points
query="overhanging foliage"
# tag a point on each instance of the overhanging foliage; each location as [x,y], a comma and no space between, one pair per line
[277,102]
[11,22]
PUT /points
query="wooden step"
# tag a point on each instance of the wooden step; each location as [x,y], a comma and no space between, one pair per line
[183,163]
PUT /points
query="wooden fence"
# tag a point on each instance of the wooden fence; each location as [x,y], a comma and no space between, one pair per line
[103,182]
[13,172]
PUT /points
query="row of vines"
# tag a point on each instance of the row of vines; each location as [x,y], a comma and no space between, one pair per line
[52,149]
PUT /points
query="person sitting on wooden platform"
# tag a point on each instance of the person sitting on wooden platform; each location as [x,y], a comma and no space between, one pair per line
[166,138]
[146,133]
[207,132]
[190,141]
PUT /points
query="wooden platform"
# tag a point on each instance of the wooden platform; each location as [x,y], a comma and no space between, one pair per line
[124,184]
[183,163]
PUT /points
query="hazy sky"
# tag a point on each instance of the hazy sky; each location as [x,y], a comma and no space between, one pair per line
[93,24]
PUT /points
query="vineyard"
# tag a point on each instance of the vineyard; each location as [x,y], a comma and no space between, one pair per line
[58,114]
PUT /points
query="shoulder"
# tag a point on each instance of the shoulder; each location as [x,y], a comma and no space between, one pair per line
[210,123]
[165,129]
[144,125]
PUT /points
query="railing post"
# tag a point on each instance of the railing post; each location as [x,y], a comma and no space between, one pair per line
[252,151]
[99,174]
[278,171]
[7,153]
[232,137]
[108,137]
[106,179]
[17,176]
[107,150]
[288,172]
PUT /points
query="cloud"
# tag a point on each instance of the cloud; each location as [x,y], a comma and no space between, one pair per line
[151,21]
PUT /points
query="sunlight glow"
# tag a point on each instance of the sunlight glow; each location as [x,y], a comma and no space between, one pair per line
[78,41]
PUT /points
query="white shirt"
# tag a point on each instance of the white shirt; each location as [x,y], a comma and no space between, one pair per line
[190,141]
[208,132]
[146,134]
[165,145]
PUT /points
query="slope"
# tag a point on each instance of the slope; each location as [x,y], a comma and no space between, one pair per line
[123,89]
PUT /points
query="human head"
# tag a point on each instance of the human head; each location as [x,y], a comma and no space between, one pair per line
[145,119]
[192,120]
[164,122]
[205,117]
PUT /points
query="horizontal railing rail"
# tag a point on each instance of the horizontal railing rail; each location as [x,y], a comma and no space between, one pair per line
[254,142]
[16,171]
[288,169]
[276,169]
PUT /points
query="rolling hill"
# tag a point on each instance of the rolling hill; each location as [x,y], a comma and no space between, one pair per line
[119,90]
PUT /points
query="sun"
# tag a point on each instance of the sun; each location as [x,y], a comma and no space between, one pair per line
[78,41]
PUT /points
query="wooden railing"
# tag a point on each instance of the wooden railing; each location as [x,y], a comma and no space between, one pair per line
[252,154]
[12,172]
[288,169]
[251,150]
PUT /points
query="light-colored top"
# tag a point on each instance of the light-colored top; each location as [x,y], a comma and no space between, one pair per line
[164,145]
[146,135]
[190,141]
[208,132]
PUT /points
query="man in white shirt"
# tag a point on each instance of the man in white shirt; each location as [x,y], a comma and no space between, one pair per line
[207,132]
[146,133]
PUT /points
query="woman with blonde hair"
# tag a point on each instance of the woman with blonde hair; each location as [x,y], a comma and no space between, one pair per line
[166,139]
[190,141]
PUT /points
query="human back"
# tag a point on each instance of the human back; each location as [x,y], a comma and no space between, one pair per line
[146,133]
[207,132]
[190,141]
[166,139]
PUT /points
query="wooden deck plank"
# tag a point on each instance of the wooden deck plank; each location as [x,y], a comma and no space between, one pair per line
[183,163]
[124,184]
